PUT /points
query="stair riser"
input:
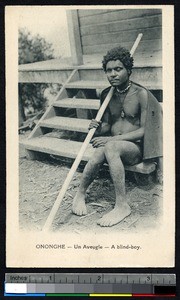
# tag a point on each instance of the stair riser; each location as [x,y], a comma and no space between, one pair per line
[57,76]
[87,104]
[85,158]
[139,75]
[63,127]
[64,148]
[41,131]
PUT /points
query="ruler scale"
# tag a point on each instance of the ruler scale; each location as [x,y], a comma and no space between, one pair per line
[89,284]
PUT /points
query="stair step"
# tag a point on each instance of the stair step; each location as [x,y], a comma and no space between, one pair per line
[90,84]
[72,124]
[143,168]
[87,84]
[60,147]
[70,149]
[78,103]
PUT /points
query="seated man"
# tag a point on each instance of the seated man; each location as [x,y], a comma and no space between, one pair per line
[119,136]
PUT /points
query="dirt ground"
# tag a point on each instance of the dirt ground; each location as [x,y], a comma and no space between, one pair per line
[40,182]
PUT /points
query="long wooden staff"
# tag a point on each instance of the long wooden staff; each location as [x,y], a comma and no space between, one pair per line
[82,150]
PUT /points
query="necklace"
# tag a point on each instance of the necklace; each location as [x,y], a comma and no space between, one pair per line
[122,92]
[125,90]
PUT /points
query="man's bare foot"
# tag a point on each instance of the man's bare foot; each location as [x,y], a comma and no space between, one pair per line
[115,216]
[79,206]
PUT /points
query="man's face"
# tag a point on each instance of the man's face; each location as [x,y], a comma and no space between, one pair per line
[117,74]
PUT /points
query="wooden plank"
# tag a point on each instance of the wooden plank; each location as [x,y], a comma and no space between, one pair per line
[74,37]
[154,45]
[61,147]
[91,12]
[151,78]
[145,59]
[121,36]
[93,75]
[148,58]
[71,124]
[85,84]
[138,23]
[139,74]
[143,168]
[78,103]
[48,76]
[118,15]
[51,64]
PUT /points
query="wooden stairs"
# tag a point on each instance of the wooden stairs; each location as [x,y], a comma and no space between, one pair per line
[78,97]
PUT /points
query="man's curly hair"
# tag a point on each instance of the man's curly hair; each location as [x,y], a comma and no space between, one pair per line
[119,53]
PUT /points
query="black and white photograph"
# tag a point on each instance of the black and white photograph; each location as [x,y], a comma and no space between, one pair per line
[90,136]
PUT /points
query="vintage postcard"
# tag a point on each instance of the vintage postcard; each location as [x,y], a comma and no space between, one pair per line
[90,136]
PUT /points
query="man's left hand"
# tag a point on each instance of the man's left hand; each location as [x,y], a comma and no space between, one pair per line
[100,141]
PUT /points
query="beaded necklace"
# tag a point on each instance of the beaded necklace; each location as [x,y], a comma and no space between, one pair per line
[123,92]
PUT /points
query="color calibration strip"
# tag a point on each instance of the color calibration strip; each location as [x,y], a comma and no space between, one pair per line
[131,290]
[90,285]
[89,295]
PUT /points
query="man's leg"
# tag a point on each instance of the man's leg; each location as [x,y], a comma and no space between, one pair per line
[117,154]
[90,171]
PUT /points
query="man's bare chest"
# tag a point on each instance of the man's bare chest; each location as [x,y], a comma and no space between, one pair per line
[124,106]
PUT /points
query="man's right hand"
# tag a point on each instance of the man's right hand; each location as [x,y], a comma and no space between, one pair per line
[95,124]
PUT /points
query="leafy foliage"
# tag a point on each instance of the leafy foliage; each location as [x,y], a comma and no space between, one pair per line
[32,97]
[32,49]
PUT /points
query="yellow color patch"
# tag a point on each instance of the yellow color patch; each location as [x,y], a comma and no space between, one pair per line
[110,295]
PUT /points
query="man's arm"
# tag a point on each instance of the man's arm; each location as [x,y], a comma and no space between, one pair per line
[104,126]
[101,127]
[139,133]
